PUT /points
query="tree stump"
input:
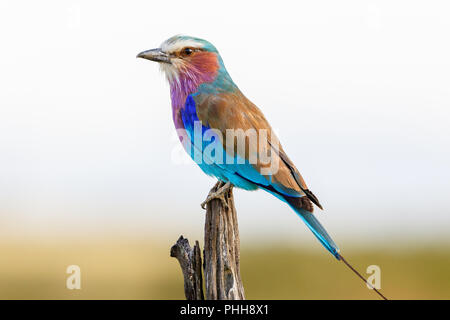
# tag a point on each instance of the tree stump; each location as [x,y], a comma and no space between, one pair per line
[221,265]
[191,265]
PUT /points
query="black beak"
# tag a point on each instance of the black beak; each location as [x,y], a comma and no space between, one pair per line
[154,55]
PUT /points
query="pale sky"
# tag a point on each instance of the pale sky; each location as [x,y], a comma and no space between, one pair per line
[358,91]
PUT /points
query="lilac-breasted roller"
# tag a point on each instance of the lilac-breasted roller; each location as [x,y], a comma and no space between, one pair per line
[211,114]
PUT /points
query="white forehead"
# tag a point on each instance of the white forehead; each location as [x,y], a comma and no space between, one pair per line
[173,45]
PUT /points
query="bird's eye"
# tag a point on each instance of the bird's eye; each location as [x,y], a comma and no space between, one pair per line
[187,51]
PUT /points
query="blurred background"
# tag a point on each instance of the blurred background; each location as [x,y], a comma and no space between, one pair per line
[90,169]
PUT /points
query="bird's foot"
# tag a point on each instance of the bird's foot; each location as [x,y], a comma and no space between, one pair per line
[219,191]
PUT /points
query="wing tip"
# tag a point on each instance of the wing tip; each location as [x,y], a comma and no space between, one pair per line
[313,198]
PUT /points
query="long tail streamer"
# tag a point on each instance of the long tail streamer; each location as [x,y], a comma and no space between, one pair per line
[359,275]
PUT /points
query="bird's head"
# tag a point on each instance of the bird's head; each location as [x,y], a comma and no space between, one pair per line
[183,58]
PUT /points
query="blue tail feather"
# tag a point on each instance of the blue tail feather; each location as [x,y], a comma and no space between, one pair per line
[313,224]
[319,231]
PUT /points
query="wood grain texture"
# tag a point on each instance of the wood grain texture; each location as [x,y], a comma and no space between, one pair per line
[221,264]
[222,251]
[191,265]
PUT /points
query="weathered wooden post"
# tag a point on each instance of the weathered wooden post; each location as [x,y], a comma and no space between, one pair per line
[221,254]
[191,265]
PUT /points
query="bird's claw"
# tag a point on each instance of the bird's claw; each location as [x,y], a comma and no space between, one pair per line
[213,196]
[218,192]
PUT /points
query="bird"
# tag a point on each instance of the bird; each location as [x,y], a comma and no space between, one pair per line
[206,102]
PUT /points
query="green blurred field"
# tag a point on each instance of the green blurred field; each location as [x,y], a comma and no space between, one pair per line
[142,269]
